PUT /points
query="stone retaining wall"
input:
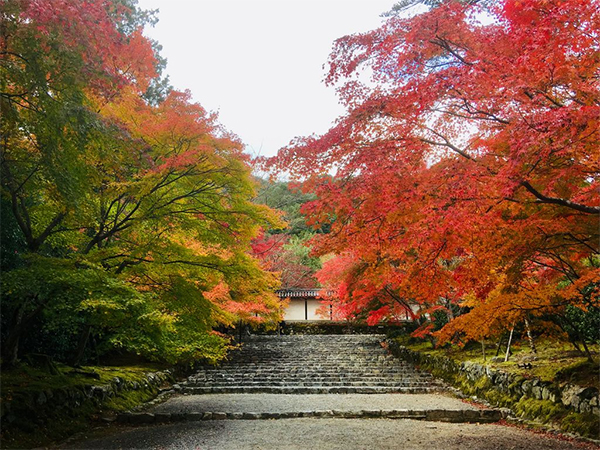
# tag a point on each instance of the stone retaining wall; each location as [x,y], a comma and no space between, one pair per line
[576,398]
[37,405]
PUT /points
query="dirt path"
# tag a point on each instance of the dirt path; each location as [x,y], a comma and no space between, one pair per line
[327,434]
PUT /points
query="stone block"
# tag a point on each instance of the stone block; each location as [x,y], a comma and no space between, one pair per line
[570,395]
[490,415]
[471,415]
[141,418]
[545,393]
[162,417]
[41,399]
[124,417]
[449,415]
[584,406]
[194,416]
[505,412]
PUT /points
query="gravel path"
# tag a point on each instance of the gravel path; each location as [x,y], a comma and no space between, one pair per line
[315,402]
[327,434]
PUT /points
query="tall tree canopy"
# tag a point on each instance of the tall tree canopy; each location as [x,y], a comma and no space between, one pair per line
[127,205]
[466,168]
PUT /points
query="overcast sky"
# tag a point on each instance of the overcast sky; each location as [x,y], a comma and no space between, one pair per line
[259,63]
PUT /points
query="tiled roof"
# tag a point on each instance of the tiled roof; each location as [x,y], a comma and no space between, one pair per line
[282,293]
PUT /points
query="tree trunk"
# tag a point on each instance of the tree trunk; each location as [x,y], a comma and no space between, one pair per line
[530,336]
[509,342]
[499,346]
[20,322]
[94,345]
[587,351]
[81,345]
[10,347]
[573,340]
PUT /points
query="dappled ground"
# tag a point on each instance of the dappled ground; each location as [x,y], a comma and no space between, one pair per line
[327,434]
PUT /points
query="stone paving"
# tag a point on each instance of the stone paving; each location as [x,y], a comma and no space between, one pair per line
[341,393]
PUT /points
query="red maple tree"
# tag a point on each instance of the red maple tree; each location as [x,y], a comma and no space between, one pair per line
[467,167]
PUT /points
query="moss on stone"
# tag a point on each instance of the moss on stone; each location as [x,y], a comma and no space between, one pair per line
[548,365]
[542,410]
[29,424]
[583,424]
[127,400]
[498,398]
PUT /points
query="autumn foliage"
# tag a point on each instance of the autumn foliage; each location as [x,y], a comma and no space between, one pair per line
[126,208]
[465,171]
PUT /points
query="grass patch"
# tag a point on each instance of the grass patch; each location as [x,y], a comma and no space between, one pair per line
[25,378]
[555,361]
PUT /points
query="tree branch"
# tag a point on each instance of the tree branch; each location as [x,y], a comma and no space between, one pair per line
[560,201]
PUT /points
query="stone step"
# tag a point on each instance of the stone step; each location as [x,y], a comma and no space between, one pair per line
[314,389]
[316,385]
[315,379]
[372,369]
[311,364]
[275,374]
[438,415]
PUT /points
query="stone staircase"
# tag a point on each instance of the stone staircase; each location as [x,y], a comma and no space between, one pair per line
[311,364]
[372,384]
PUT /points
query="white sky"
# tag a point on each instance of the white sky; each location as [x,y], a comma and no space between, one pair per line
[259,63]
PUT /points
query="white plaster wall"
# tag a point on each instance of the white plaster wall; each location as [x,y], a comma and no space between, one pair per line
[313,305]
[295,310]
